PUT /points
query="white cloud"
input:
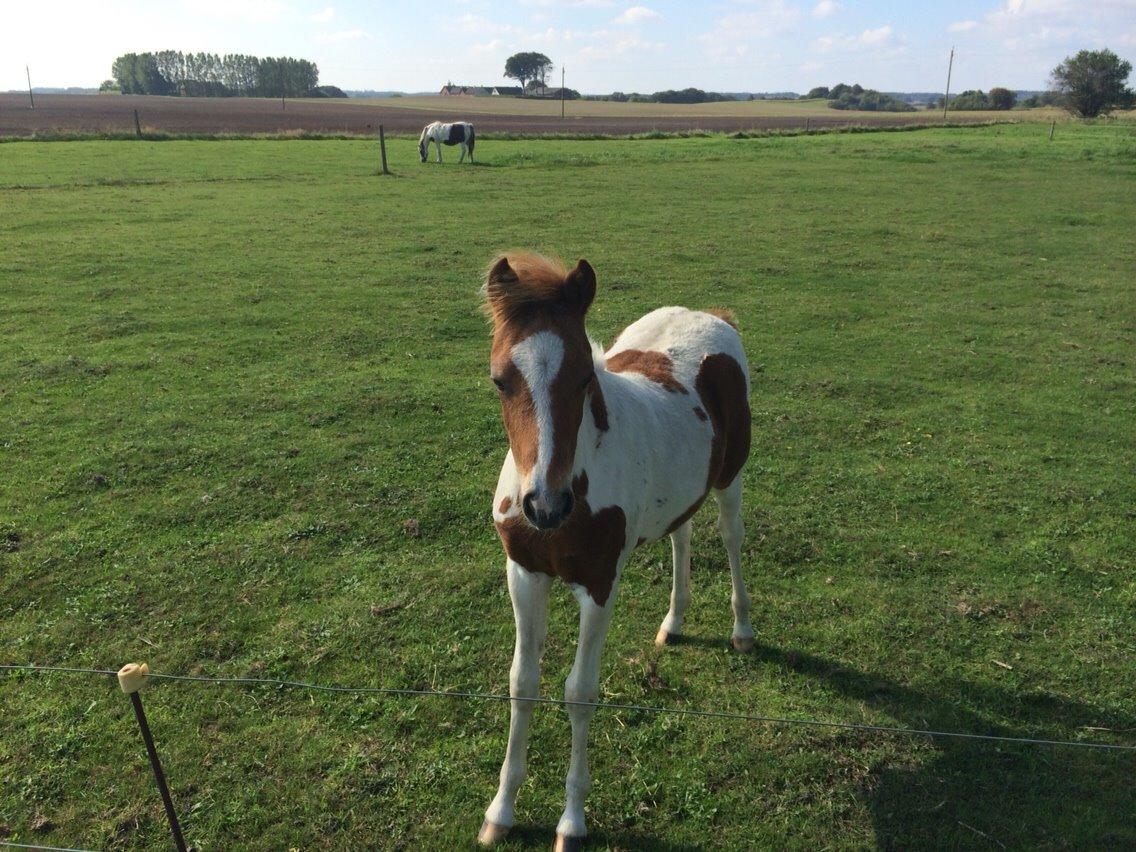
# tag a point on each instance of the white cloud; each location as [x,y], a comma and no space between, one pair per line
[488,47]
[1031,36]
[1072,12]
[343,35]
[876,36]
[324,16]
[637,15]
[825,8]
[734,34]
[593,3]
[480,25]
[881,41]
[962,26]
[255,11]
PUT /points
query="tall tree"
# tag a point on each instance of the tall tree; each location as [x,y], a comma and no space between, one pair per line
[1001,98]
[528,66]
[1093,81]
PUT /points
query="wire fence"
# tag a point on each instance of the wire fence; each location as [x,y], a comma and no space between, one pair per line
[398,692]
[598,705]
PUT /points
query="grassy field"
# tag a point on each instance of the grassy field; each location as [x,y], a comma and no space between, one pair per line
[230,373]
[610,109]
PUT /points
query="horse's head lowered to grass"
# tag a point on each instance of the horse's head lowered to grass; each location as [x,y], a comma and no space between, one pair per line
[544,368]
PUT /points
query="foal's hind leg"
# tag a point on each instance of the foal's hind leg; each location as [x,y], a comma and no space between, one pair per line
[671,628]
[733,531]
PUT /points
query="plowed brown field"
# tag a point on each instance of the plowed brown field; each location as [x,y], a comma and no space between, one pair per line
[115,113]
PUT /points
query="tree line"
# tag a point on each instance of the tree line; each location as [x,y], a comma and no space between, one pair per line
[171,72]
[668,96]
[1088,84]
[843,96]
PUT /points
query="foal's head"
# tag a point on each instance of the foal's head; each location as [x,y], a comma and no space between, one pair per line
[423,142]
[543,367]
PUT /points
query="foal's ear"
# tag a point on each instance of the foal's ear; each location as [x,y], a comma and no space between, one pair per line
[501,273]
[580,286]
[498,279]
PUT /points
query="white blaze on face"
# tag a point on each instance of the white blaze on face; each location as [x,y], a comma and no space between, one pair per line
[538,360]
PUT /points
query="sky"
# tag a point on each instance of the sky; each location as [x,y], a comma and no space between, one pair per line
[604,45]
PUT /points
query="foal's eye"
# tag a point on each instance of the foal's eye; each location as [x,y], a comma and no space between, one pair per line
[500,384]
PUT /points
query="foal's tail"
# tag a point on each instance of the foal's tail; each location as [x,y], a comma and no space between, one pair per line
[724,314]
[471,141]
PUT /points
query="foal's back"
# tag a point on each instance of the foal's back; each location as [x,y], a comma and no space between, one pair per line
[686,337]
[691,369]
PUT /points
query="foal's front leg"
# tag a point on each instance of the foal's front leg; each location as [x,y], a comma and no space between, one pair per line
[583,685]
[529,592]
[438,145]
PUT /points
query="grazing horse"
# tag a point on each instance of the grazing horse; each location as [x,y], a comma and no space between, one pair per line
[607,451]
[458,133]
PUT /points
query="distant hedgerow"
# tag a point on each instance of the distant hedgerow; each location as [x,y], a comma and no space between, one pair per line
[869,100]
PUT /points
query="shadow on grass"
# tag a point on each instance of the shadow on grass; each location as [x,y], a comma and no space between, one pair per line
[985,794]
[476,165]
[542,837]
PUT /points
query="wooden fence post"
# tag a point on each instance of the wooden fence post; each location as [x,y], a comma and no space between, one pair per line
[137,125]
[383,149]
[1052,127]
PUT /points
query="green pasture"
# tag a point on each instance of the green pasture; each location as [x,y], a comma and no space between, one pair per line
[246,428]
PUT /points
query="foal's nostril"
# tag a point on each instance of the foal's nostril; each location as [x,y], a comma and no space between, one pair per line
[549,511]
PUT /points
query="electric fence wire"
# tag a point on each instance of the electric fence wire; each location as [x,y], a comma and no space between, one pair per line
[598,705]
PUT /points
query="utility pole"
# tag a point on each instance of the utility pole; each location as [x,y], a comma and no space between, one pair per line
[31,97]
[562,91]
[947,96]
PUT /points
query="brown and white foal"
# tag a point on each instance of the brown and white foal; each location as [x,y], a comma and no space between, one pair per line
[606,451]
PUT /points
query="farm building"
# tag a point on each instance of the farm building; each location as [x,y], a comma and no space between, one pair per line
[482,91]
[475,91]
[553,93]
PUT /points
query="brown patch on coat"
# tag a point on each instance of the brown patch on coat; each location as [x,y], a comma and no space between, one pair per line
[506,505]
[526,294]
[687,515]
[518,413]
[583,550]
[721,384]
[656,366]
[599,407]
[725,315]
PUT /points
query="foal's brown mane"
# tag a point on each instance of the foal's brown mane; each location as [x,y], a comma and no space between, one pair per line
[535,280]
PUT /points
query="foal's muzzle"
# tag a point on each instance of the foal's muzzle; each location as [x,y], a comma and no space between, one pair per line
[547,511]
